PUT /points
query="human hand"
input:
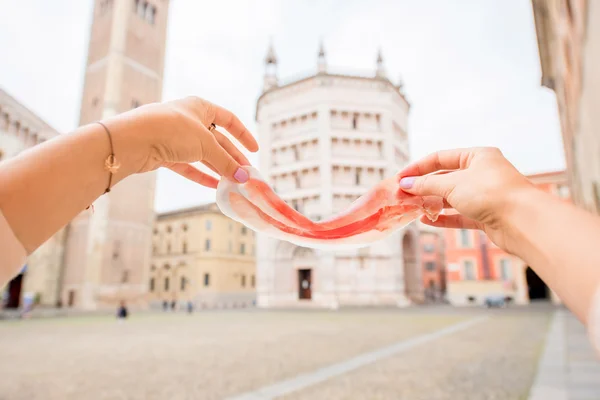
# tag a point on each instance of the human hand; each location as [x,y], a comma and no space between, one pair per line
[176,133]
[479,183]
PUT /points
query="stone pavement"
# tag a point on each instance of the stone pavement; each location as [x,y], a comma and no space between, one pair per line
[569,368]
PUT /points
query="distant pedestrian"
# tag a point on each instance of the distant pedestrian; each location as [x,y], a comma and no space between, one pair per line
[190,307]
[173,305]
[122,311]
[165,305]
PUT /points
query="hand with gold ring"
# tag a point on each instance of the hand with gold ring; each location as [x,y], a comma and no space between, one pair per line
[177,133]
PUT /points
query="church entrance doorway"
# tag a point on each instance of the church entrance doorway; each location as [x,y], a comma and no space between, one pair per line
[536,287]
[304,284]
[14,292]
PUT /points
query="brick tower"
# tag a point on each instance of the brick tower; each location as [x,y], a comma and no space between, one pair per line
[108,251]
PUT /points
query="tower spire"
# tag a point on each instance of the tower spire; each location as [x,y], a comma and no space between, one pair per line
[321,61]
[270,78]
[380,71]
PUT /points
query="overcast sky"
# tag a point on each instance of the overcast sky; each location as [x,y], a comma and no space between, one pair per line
[471,73]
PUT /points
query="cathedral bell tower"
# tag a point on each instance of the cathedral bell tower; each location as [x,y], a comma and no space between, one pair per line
[108,250]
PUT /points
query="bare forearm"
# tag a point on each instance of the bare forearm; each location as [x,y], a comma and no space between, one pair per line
[559,242]
[42,189]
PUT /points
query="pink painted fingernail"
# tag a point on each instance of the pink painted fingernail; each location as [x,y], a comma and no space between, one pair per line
[241,175]
[407,183]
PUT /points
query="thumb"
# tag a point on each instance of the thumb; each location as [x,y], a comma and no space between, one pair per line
[429,185]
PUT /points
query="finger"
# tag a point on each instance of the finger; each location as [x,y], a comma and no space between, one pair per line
[233,125]
[221,160]
[230,148]
[441,160]
[430,185]
[194,174]
[455,221]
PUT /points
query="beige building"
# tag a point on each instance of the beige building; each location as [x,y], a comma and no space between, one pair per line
[568,33]
[325,140]
[108,251]
[21,129]
[202,256]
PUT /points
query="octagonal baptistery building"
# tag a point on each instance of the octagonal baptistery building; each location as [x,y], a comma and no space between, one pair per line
[325,140]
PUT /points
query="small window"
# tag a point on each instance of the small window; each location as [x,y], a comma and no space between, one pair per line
[152,284]
[242,248]
[208,224]
[206,279]
[430,266]
[428,248]
[253,281]
[505,269]
[244,230]
[135,103]
[357,177]
[243,280]
[125,276]
[183,283]
[184,248]
[465,238]
[166,284]
[151,14]
[354,121]
[469,270]
[207,245]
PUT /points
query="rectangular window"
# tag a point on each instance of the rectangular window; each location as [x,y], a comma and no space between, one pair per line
[243,280]
[166,284]
[152,284]
[183,282]
[505,269]
[244,230]
[184,249]
[208,225]
[207,245]
[206,279]
[253,281]
[465,238]
[469,270]
[430,266]
[242,248]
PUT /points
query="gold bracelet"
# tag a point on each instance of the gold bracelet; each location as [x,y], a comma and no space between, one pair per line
[110,164]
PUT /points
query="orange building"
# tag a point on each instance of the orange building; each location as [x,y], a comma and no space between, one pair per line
[477,268]
[433,264]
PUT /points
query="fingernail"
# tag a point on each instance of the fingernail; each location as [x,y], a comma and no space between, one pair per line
[241,175]
[407,183]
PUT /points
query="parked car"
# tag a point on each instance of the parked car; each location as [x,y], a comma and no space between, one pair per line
[495,301]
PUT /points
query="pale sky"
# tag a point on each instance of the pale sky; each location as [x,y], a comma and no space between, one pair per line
[471,73]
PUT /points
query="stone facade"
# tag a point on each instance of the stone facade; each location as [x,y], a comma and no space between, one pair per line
[477,268]
[21,129]
[108,251]
[325,140]
[568,33]
[201,256]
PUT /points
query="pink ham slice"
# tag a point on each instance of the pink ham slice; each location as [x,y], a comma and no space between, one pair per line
[373,216]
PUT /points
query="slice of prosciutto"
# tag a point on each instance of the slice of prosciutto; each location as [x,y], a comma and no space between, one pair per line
[384,209]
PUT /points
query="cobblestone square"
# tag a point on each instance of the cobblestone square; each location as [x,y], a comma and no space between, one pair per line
[216,355]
